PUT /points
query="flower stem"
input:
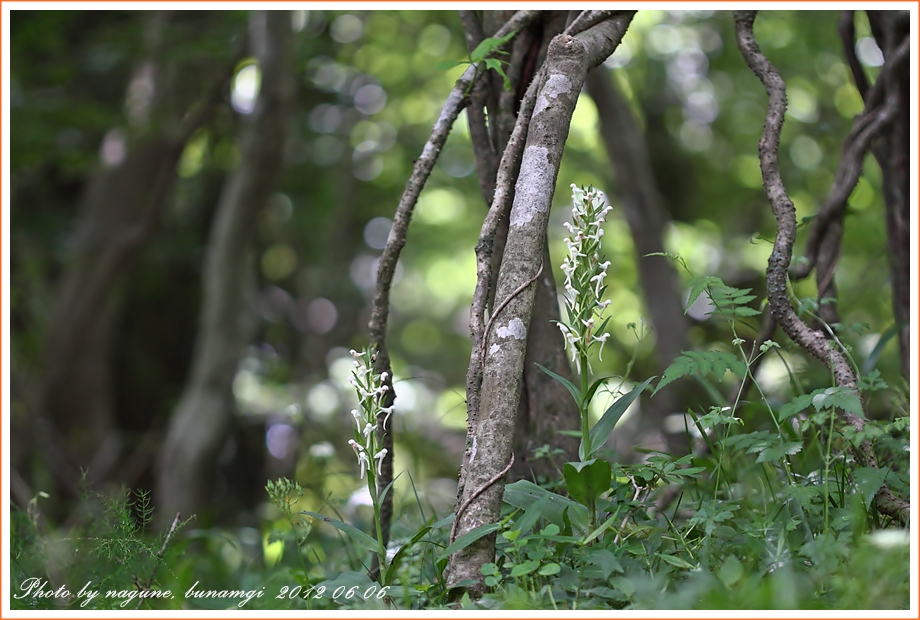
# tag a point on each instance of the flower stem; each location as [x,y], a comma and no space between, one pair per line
[585,435]
[585,430]
[381,550]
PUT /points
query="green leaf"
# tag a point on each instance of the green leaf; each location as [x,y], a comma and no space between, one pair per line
[824,398]
[586,480]
[523,493]
[601,431]
[799,403]
[698,285]
[530,516]
[600,530]
[496,65]
[673,560]
[468,539]
[489,569]
[605,560]
[446,65]
[730,571]
[487,45]
[876,353]
[775,453]
[597,383]
[525,568]
[574,391]
[401,553]
[548,570]
[869,480]
[351,531]
[702,363]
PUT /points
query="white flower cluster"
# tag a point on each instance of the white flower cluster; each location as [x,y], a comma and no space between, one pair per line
[584,274]
[371,389]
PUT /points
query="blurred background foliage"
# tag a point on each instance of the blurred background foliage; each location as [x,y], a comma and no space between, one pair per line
[367,96]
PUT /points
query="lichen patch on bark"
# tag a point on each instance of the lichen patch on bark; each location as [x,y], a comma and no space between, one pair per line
[514,329]
[555,85]
[534,185]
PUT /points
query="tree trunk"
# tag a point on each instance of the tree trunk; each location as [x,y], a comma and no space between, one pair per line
[893,155]
[203,416]
[568,60]
[545,406]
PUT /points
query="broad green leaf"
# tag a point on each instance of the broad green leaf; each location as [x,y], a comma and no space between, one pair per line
[605,560]
[548,570]
[698,285]
[601,431]
[586,480]
[350,530]
[775,453]
[468,539]
[496,65]
[730,571]
[530,516]
[822,399]
[574,391]
[523,493]
[525,568]
[869,480]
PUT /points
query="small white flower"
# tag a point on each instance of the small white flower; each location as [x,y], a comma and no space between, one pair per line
[602,340]
[379,458]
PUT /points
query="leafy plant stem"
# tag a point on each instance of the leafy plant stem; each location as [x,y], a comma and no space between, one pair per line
[381,550]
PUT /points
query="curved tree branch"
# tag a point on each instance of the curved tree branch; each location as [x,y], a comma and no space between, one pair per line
[812,341]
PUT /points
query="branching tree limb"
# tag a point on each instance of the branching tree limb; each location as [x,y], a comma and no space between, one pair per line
[812,341]
[568,61]
[456,101]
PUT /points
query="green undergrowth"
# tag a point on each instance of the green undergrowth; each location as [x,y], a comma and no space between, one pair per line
[773,512]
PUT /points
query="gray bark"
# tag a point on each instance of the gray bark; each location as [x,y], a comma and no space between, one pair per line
[568,61]
[202,418]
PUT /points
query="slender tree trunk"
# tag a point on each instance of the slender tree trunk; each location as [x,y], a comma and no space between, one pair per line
[545,406]
[568,60]
[119,212]
[203,416]
[892,152]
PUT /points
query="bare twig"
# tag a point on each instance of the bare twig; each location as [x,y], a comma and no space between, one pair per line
[784,211]
[159,556]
